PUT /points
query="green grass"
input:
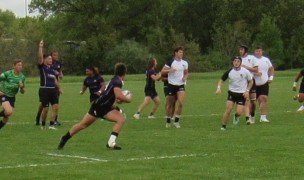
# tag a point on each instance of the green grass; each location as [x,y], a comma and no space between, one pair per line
[199,150]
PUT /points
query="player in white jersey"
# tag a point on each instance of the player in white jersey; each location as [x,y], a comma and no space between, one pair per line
[249,62]
[177,70]
[262,80]
[240,83]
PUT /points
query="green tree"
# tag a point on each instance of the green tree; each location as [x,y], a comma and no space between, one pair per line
[269,37]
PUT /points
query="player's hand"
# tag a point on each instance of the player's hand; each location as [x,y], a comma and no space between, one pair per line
[22,90]
[41,44]
[172,70]
[60,91]
[294,88]
[21,85]
[269,81]
[258,74]
[246,95]
[218,91]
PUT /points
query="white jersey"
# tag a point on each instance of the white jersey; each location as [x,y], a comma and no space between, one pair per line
[264,65]
[249,61]
[238,79]
[176,78]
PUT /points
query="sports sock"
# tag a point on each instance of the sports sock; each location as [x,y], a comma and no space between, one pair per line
[51,123]
[224,126]
[168,119]
[56,118]
[151,113]
[67,136]
[2,124]
[42,123]
[247,118]
[263,117]
[112,138]
[2,113]
[176,119]
[38,117]
[252,113]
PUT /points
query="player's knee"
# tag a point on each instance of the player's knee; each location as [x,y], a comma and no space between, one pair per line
[8,112]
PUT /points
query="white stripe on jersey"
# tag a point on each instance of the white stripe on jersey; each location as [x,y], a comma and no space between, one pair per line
[264,65]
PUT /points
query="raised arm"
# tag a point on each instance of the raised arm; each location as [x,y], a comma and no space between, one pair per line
[40,52]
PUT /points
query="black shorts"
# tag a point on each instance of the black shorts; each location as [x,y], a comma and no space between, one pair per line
[47,96]
[99,111]
[151,92]
[237,98]
[262,90]
[253,88]
[11,100]
[172,89]
[301,90]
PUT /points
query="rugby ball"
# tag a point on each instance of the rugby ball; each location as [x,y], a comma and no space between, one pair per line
[127,93]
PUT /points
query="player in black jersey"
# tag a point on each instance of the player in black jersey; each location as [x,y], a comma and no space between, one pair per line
[95,82]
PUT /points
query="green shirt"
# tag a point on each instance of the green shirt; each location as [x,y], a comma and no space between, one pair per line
[9,82]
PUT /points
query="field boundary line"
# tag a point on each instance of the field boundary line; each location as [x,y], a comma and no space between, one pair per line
[40,165]
[77,157]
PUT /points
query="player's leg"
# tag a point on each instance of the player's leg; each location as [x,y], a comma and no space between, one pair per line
[300,97]
[170,101]
[155,106]
[263,108]
[55,107]
[8,111]
[116,117]
[247,111]
[38,114]
[252,107]
[180,102]
[86,121]
[226,115]
[142,106]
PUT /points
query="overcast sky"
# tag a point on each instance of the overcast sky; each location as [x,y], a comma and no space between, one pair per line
[16,6]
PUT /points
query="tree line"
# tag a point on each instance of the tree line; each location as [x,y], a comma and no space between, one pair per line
[103,32]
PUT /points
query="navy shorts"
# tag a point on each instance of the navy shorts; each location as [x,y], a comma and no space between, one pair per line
[151,92]
[100,111]
[301,90]
[11,100]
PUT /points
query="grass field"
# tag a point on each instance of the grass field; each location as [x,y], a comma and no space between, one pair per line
[199,150]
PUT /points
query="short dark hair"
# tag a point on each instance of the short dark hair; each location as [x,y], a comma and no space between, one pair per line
[46,55]
[16,61]
[178,49]
[259,47]
[120,69]
[246,48]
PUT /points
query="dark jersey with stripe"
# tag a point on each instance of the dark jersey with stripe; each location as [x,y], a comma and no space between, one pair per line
[57,67]
[93,83]
[150,83]
[107,98]
[47,76]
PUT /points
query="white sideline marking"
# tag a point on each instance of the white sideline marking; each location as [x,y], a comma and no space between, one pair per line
[126,160]
[40,165]
[77,157]
[91,160]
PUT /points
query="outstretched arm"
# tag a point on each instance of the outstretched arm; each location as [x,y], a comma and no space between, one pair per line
[40,52]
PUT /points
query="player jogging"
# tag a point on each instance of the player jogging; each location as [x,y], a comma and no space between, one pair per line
[10,83]
[249,62]
[240,83]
